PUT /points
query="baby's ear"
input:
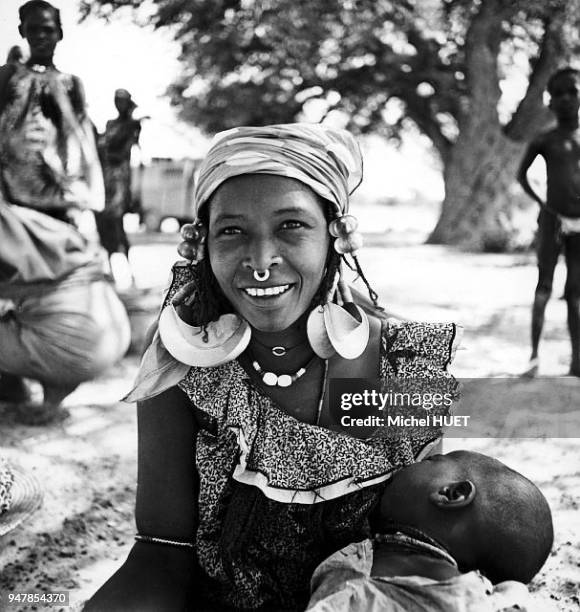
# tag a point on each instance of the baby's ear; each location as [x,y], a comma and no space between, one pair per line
[454,495]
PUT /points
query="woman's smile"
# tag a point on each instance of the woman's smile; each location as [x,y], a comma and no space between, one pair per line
[267,293]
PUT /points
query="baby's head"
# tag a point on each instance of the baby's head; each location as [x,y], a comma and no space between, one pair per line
[489,517]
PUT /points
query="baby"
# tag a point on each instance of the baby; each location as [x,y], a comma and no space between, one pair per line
[448,527]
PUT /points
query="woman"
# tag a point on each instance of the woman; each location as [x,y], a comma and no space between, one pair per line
[246,479]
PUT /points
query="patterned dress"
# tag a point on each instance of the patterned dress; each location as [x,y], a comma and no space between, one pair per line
[276,495]
[48,156]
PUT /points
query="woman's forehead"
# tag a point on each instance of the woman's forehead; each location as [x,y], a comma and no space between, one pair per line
[266,192]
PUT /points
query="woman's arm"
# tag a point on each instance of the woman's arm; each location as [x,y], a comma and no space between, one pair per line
[158,577]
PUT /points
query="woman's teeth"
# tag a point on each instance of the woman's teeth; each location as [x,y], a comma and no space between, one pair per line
[266,291]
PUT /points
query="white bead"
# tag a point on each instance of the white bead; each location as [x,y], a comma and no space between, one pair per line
[270,379]
[285,380]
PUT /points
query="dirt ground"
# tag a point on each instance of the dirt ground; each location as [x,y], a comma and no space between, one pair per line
[87,463]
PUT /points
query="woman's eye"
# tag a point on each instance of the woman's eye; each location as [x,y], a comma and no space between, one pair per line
[292,224]
[230,231]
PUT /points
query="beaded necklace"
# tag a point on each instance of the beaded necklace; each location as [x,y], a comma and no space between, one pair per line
[261,373]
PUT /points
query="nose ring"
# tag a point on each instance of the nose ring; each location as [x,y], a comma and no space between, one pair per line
[262,276]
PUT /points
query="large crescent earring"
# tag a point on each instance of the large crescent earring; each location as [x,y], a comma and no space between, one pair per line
[332,328]
[209,346]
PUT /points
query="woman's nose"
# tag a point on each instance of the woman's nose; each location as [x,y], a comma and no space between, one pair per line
[262,254]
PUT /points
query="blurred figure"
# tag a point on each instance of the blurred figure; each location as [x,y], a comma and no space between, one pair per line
[61,321]
[121,134]
[559,219]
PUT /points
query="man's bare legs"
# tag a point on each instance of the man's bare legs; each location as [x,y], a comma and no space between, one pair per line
[574,329]
[548,251]
[538,310]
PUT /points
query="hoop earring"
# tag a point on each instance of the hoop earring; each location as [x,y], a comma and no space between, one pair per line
[332,328]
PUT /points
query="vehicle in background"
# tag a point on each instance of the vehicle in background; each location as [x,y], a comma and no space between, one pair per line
[165,189]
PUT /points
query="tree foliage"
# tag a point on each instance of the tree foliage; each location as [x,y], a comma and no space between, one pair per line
[259,62]
[437,63]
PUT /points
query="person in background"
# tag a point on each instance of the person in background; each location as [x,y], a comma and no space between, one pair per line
[61,322]
[446,530]
[559,218]
[120,136]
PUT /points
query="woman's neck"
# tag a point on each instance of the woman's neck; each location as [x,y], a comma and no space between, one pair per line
[282,350]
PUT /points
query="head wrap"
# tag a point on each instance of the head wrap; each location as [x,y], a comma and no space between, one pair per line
[328,160]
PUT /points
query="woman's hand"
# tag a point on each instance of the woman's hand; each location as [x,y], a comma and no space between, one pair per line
[154,578]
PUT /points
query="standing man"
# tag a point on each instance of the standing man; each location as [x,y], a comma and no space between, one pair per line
[121,134]
[559,219]
[61,321]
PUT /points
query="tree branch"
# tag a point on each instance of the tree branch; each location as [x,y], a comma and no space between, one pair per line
[531,109]
[420,111]
[482,46]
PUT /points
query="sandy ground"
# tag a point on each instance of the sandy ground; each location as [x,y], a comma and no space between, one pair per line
[87,467]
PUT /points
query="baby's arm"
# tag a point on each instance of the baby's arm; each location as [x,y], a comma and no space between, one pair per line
[530,155]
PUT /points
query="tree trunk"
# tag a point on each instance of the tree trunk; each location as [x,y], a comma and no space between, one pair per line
[479,190]
[480,170]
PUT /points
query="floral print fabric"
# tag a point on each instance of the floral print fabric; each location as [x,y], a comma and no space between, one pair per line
[278,495]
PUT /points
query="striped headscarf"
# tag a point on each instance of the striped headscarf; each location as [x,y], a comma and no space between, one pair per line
[328,160]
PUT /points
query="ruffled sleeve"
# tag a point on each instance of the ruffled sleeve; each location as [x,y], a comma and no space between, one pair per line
[418,350]
[416,356]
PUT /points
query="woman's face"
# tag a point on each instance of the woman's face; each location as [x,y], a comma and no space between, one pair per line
[265,222]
